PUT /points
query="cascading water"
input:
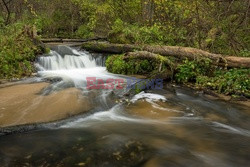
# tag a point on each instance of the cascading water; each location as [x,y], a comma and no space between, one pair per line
[54,61]
[72,66]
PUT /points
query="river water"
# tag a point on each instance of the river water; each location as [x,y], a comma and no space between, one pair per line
[174,126]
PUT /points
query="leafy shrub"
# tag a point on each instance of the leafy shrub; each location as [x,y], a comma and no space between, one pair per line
[84,31]
[134,66]
[132,33]
[190,70]
[233,81]
[245,53]
[17,52]
[116,64]
[203,74]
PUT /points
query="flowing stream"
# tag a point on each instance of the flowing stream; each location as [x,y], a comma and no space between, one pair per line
[174,126]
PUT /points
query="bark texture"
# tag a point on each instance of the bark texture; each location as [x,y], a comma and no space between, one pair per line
[60,40]
[174,51]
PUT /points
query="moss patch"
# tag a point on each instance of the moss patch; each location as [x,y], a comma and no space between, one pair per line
[138,66]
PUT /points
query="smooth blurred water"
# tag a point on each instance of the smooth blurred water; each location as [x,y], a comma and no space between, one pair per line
[157,128]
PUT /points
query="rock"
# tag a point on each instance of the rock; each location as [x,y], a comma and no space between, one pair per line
[32,106]
[63,50]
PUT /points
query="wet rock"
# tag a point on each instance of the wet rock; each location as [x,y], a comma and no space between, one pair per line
[154,110]
[53,79]
[25,104]
[63,50]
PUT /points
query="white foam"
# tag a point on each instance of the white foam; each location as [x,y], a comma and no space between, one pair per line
[71,68]
[55,61]
[148,96]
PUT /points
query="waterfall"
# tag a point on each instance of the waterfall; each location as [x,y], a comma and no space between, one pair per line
[72,66]
[55,61]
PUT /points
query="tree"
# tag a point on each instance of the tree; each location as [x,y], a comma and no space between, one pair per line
[8,12]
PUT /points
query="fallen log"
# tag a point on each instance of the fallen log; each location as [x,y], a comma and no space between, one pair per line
[104,47]
[174,51]
[141,55]
[161,73]
[149,56]
[60,40]
[51,40]
[156,66]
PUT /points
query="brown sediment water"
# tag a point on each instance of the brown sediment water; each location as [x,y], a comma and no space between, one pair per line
[24,104]
[157,110]
[173,126]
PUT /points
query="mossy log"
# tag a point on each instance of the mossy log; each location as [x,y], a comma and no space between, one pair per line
[141,54]
[144,63]
[160,73]
[174,51]
[150,56]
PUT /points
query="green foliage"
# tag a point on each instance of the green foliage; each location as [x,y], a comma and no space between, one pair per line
[201,72]
[137,89]
[216,26]
[233,81]
[43,24]
[122,32]
[135,66]
[205,75]
[84,31]
[116,64]
[1,22]
[245,53]
[190,70]
[17,52]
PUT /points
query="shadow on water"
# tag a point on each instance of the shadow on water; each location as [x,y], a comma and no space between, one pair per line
[156,128]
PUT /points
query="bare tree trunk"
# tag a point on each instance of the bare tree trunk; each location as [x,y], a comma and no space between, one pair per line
[147,10]
[198,24]
[72,18]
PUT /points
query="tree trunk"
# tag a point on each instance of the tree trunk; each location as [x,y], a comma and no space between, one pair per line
[5,3]
[174,51]
[147,11]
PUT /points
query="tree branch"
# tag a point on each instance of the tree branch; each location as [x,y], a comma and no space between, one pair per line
[8,11]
